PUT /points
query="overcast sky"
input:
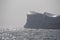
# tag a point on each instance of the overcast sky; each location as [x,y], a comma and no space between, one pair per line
[13,12]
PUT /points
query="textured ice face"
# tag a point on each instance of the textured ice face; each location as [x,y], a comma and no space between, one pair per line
[54,15]
[29,13]
[50,15]
[44,21]
[33,13]
[45,13]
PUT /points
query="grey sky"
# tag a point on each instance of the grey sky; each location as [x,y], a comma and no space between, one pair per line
[13,12]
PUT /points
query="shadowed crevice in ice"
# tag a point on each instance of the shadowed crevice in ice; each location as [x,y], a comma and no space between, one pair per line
[37,20]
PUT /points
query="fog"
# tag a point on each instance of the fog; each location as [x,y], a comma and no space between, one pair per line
[13,12]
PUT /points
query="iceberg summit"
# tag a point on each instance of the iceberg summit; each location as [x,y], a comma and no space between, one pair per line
[44,20]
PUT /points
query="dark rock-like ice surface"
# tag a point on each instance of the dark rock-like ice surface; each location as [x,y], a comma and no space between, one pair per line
[46,20]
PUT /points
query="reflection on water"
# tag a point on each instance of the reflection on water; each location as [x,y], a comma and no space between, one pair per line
[31,34]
